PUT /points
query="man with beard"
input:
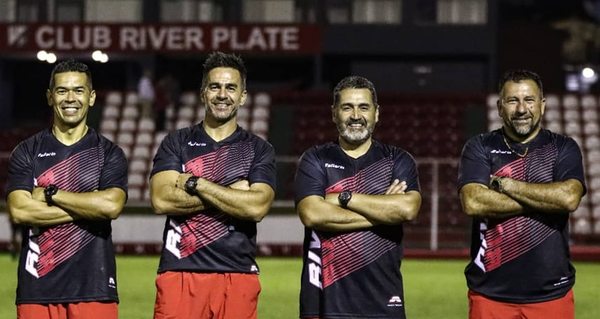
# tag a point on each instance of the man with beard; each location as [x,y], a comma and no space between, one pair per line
[214,181]
[353,196]
[65,185]
[519,183]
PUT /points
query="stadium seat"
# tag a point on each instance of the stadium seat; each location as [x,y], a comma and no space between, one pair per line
[262,99]
[146,125]
[127,125]
[136,179]
[130,112]
[131,98]
[189,98]
[125,138]
[183,123]
[108,125]
[111,111]
[552,101]
[186,113]
[570,116]
[570,101]
[582,226]
[134,193]
[589,101]
[144,138]
[138,165]
[114,98]
[141,151]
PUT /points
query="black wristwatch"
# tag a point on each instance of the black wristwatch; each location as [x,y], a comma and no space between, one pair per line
[496,184]
[344,197]
[190,185]
[50,191]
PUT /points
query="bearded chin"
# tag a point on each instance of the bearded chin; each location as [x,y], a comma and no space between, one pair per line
[526,130]
[355,137]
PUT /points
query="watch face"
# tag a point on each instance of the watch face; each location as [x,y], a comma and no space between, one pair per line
[190,185]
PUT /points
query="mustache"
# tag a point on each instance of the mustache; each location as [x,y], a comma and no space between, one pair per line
[357,121]
[228,101]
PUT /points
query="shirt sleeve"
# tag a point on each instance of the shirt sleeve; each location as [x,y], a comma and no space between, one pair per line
[570,163]
[114,171]
[168,155]
[20,170]
[310,177]
[263,168]
[405,169]
[474,166]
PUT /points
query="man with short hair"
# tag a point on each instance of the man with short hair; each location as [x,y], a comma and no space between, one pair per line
[353,196]
[65,185]
[519,183]
[214,181]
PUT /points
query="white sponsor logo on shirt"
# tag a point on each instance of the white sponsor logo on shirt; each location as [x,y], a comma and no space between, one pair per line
[190,143]
[500,152]
[329,165]
[46,154]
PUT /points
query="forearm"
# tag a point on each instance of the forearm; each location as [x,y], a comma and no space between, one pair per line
[558,197]
[23,209]
[248,204]
[388,209]
[479,201]
[174,201]
[316,213]
[168,195]
[96,205]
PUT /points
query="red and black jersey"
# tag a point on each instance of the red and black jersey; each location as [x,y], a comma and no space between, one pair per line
[524,258]
[75,261]
[210,240]
[353,274]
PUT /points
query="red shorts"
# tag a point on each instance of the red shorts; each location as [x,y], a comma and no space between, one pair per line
[481,307]
[200,295]
[79,310]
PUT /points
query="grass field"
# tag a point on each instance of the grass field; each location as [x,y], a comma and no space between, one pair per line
[434,288]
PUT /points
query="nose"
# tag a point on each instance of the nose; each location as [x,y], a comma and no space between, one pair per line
[355,114]
[221,93]
[521,108]
[70,95]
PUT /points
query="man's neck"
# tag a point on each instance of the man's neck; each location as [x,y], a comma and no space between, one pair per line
[69,135]
[219,131]
[355,151]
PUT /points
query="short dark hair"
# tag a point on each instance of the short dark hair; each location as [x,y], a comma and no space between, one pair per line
[219,59]
[71,65]
[354,82]
[518,76]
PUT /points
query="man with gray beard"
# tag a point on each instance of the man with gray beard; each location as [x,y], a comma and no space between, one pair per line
[353,196]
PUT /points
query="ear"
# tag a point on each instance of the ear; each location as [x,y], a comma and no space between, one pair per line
[333,115]
[543,106]
[92,98]
[243,97]
[499,107]
[49,97]
[376,114]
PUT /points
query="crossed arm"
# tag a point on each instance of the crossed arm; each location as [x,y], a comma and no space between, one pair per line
[240,200]
[363,211]
[30,208]
[517,197]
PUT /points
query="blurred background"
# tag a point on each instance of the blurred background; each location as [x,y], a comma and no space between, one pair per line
[435,64]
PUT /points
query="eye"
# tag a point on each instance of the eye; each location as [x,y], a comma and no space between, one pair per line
[61,91]
[231,88]
[365,108]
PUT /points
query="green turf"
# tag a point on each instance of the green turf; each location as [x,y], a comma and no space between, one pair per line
[433,288]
